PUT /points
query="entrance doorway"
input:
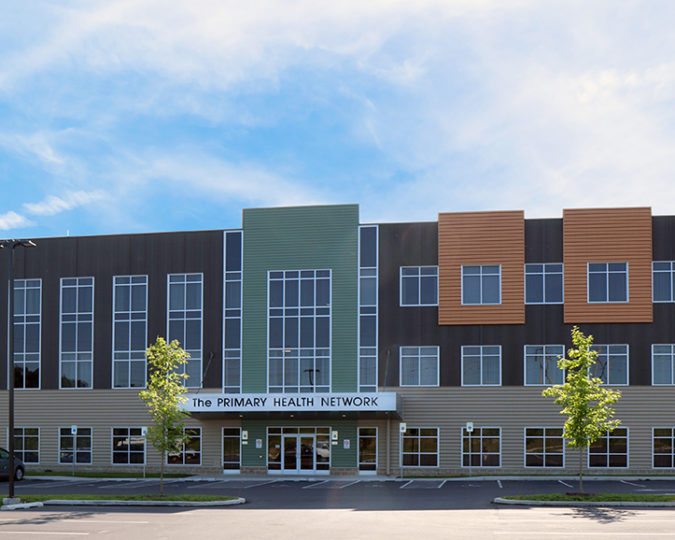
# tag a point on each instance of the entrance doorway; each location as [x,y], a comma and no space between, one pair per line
[298,450]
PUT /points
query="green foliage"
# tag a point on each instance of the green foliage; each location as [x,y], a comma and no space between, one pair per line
[164,397]
[587,404]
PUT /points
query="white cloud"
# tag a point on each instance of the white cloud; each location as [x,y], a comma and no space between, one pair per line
[12,220]
[54,205]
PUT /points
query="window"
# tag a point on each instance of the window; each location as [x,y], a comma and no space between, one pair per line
[608,282]
[128,446]
[481,284]
[27,315]
[367,449]
[663,448]
[482,447]
[191,450]
[299,337]
[481,365]
[27,444]
[80,444]
[663,281]
[419,447]
[232,314]
[77,332]
[419,285]
[185,321]
[663,364]
[541,364]
[130,321]
[368,308]
[231,449]
[610,450]
[419,366]
[544,283]
[544,447]
[611,364]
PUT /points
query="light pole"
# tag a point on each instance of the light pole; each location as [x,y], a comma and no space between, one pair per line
[12,245]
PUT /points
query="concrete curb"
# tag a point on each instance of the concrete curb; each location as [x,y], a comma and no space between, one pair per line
[113,502]
[21,506]
[500,500]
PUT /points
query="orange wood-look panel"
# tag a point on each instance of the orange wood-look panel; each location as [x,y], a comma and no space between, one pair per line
[468,238]
[608,235]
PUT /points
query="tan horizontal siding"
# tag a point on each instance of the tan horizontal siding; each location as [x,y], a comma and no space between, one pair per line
[608,235]
[481,238]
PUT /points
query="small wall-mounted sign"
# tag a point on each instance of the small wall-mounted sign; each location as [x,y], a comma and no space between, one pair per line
[73,429]
[346,444]
[258,443]
[402,427]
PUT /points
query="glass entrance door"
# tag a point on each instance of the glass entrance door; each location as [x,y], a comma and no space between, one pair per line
[299,454]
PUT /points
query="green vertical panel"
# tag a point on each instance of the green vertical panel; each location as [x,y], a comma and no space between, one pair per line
[250,455]
[339,456]
[312,237]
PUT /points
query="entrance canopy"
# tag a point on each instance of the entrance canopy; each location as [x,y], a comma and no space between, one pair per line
[361,402]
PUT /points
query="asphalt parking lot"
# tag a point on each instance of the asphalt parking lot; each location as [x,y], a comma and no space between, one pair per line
[359,493]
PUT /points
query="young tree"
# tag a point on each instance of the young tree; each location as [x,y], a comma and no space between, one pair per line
[587,404]
[164,396]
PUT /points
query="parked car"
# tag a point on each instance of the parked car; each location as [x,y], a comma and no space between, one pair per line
[19,467]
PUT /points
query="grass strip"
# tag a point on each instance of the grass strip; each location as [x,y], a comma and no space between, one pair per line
[110,474]
[595,497]
[112,497]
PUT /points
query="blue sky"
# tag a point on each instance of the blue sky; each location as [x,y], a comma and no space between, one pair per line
[147,115]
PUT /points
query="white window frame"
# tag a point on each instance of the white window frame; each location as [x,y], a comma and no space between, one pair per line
[544,273]
[185,319]
[480,453]
[358,451]
[182,449]
[128,452]
[129,361]
[672,363]
[23,436]
[606,273]
[419,285]
[419,357]
[595,347]
[480,275]
[608,453]
[525,356]
[365,273]
[61,322]
[22,362]
[672,447]
[670,272]
[544,453]
[419,452]
[74,437]
[481,365]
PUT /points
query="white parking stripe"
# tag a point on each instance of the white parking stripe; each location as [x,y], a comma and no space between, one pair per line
[349,484]
[407,483]
[442,483]
[630,483]
[565,484]
[499,483]
[209,485]
[263,484]
[315,484]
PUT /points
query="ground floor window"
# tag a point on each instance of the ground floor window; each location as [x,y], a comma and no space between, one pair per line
[544,447]
[610,450]
[663,448]
[481,447]
[419,447]
[367,449]
[232,449]
[78,443]
[27,444]
[128,446]
[298,449]
[191,450]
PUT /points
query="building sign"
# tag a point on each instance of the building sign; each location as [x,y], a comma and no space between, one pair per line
[362,402]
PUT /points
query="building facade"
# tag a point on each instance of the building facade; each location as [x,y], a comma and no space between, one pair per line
[321,345]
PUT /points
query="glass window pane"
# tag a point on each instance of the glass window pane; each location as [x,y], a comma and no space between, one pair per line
[534,289]
[617,287]
[410,292]
[597,287]
[122,298]
[471,290]
[368,252]
[554,288]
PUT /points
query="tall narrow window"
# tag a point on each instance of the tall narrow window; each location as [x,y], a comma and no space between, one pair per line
[27,315]
[541,364]
[185,321]
[231,449]
[232,315]
[77,332]
[130,320]
[299,322]
[367,450]
[544,283]
[368,308]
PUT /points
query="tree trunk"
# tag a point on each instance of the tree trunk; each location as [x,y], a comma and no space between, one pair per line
[161,474]
[581,469]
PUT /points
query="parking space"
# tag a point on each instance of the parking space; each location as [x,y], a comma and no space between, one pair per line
[424,484]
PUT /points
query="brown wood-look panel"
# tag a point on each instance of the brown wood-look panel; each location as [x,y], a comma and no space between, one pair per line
[608,235]
[472,238]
